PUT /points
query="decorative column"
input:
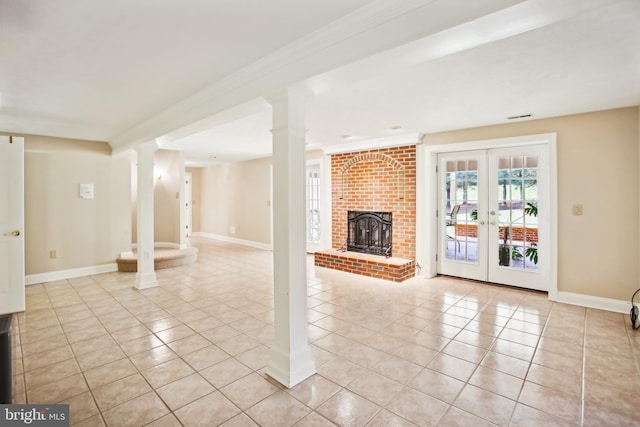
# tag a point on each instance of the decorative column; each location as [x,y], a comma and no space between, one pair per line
[146,277]
[290,359]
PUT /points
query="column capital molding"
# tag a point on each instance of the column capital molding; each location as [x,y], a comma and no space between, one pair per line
[288,107]
[300,132]
[147,147]
[287,94]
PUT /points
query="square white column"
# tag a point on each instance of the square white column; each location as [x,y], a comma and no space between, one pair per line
[290,359]
[146,276]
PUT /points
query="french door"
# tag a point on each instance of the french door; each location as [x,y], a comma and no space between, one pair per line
[493,215]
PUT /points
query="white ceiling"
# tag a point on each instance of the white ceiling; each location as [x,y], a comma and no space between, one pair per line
[93,68]
[585,63]
[121,71]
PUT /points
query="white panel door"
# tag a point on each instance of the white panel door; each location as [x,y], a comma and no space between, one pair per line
[12,282]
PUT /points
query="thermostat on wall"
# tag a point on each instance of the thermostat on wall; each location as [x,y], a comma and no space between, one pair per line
[86,191]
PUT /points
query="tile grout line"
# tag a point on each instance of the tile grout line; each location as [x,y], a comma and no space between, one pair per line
[524,379]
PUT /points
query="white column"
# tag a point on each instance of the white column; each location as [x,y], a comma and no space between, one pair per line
[146,277]
[290,361]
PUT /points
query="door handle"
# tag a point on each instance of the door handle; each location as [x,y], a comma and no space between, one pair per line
[493,223]
[481,222]
[14,233]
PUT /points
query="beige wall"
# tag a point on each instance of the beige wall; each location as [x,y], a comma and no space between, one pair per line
[235,195]
[598,162]
[238,195]
[166,222]
[166,196]
[83,232]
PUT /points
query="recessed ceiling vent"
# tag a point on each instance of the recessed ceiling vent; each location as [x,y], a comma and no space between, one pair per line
[523,116]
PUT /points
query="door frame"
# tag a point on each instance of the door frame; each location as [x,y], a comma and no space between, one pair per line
[427,197]
[14,297]
[187,183]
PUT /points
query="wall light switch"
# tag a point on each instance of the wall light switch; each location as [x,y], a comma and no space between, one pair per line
[86,191]
[577,210]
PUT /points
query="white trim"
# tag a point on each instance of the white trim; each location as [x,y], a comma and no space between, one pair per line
[590,301]
[374,144]
[53,276]
[553,215]
[228,239]
[426,250]
[290,369]
[270,206]
[422,224]
[486,144]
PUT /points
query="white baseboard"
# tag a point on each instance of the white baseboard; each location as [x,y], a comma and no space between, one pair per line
[590,301]
[228,239]
[52,276]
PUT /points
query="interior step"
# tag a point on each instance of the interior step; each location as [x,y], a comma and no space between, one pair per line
[164,258]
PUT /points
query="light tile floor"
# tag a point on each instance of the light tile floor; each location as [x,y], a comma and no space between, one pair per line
[444,351]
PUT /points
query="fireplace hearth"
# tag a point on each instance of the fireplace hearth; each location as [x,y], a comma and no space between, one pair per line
[369,232]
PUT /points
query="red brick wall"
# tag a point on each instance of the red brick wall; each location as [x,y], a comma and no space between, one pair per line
[381,180]
[517,233]
[366,265]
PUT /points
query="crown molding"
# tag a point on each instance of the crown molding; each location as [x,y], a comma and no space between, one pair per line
[266,74]
[376,27]
[374,144]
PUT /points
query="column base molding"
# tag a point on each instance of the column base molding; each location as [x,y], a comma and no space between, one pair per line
[290,369]
[146,280]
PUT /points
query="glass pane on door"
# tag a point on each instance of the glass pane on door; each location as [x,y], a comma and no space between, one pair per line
[517,212]
[313,205]
[461,208]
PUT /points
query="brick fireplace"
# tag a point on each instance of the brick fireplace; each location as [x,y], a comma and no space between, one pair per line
[382,180]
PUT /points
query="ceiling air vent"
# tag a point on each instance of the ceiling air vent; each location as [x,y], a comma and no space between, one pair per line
[523,116]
